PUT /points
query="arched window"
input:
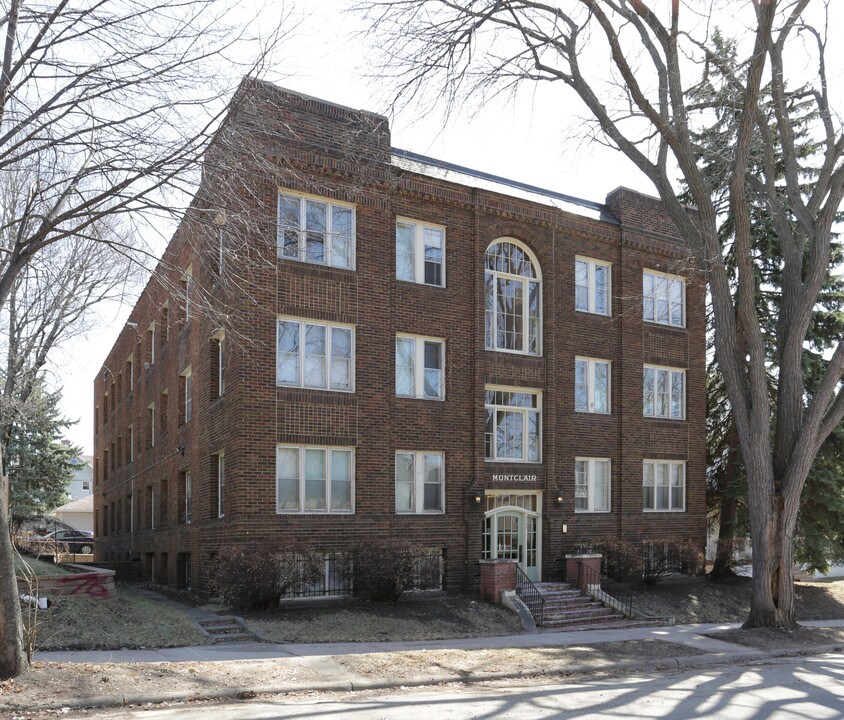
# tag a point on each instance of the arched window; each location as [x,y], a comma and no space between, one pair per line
[513,289]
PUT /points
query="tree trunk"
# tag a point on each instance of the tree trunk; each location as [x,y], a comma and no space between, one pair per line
[12,655]
[772,603]
[722,568]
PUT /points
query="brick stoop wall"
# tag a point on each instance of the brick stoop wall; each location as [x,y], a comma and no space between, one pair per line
[275,139]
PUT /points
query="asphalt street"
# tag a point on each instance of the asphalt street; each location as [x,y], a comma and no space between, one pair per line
[785,689]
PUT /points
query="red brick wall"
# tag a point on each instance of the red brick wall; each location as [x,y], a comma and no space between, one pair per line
[284,140]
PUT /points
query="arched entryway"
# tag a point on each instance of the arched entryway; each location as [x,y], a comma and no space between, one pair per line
[512,530]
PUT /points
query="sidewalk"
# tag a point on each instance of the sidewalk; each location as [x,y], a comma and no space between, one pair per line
[107,678]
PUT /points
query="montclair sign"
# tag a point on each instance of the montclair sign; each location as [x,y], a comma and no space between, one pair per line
[514,478]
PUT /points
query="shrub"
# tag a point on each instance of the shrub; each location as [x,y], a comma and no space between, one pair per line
[671,555]
[255,580]
[622,558]
[387,569]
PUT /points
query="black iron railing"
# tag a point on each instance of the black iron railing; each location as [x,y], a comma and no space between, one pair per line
[589,579]
[530,596]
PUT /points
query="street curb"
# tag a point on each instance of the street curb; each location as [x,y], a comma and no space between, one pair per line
[682,662]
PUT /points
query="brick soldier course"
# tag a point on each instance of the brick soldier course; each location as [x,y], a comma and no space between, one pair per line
[276,140]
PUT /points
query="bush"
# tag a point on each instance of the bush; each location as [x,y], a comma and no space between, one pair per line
[386,570]
[622,558]
[672,555]
[254,580]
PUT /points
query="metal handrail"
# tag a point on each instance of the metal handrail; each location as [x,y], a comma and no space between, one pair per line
[588,576]
[530,596]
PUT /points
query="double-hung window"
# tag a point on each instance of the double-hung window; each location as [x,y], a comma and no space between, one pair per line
[314,479]
[513,299]
[592,280]
[591,385]
[315,355]
[663,485]
[420,252]
[420,363]
[663,298]
[664,392]
[512,431]
[316,230]
[420,482]
[591,485]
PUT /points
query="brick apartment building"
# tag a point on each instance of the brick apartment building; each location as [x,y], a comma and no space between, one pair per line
[344,341]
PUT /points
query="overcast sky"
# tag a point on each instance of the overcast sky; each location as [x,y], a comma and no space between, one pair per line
[533,140]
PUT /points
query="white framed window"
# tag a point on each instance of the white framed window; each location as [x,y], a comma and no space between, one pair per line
[150,359]
[591,484]
[130,440]
[151,425]
[663,298]
[420,367]
[186,286]
[315,355]
[512,432]
[218,348]
[592,286]
[420,252]
[187,395]
[420,482]
[592,385]
[513,298]
[663,486]
[188,497]
[316,230]
[221,483]
[315,479]
[664,392]
[130,371]
[86,485]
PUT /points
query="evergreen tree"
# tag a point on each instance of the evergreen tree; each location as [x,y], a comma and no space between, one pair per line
[37,462]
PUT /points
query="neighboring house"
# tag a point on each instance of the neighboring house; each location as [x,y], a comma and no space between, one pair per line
[79,514]
[419,351]
[82,482]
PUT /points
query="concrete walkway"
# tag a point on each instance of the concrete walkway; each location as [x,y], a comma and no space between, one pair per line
[690,635]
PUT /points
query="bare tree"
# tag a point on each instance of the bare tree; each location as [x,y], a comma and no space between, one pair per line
[633,67]
[110,104]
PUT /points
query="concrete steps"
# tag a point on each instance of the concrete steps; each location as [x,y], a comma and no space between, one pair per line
[226,629]
[568,608]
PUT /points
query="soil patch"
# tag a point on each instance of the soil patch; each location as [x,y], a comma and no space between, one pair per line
[413,619]
[541,660]
[700,600]
[50,683]
[769,639]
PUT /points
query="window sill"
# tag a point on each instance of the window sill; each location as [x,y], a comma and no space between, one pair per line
[593,312]
[664,419]
[312,263]
[412,513]
[512,461]
[593,412]
[419,397]
[519,353]
[592,512]
[315,512]
[656,323]
[314,389]
[673,510]
[420,284]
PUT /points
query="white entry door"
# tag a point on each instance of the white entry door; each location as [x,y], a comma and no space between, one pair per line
[512,534]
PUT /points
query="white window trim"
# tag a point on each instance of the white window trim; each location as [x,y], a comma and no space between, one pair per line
[301,247]
[419,366]
[151,337]
[590,383]
[187,279]
[187,374]
[525,433]
[669,463]
[130,436]
[591,478]
[220,337]
[151,421]
[131,362]
[670,391]
[188,497]
[221,483]
[328,510]
[301,383]
[592,263]
[419,481]
[656,274]
[525,302]
[419,250]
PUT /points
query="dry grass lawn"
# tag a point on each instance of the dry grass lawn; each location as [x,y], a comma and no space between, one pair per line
[127,621]
[413,619]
